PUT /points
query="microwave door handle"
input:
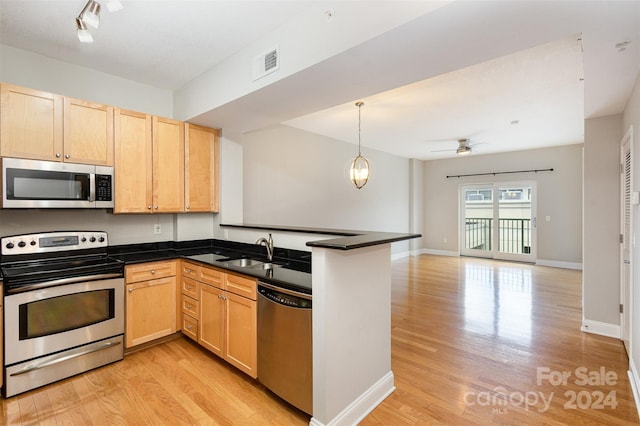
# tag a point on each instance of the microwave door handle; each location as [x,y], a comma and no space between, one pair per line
[92,187]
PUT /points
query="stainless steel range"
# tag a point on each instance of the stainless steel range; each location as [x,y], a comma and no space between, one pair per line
[63,307]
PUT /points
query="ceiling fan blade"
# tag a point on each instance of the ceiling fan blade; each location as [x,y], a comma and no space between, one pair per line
[443,150]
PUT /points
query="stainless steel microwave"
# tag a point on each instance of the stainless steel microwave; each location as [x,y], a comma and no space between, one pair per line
[50,184]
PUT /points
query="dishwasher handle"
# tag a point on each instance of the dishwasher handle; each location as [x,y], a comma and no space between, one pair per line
[285,297]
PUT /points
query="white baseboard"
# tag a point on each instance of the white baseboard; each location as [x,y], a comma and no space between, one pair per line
[439,252]
[355,412]
[601,328]
[559,264]
[634,379]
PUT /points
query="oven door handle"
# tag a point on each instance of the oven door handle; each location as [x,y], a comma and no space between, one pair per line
[62,281]
[64,358]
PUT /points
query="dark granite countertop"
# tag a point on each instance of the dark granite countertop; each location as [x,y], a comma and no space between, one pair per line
[295,272]
[348,240]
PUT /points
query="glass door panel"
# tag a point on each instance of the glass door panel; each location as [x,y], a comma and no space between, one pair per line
[514,233]
[477,235]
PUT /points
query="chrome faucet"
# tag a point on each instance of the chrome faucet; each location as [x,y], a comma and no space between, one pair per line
[268,243]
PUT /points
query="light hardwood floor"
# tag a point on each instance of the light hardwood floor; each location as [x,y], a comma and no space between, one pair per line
[469,338]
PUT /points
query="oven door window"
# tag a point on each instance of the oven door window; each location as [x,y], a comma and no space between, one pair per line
[47,185]
[64,313]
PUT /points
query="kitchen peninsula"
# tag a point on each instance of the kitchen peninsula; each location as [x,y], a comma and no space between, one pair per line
[351,284]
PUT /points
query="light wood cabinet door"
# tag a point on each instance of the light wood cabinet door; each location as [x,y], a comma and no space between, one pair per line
[202,153]
[133,165]
[31,123]
[211,324]
[88,133]
[241,333]
[150,310]
[168,165]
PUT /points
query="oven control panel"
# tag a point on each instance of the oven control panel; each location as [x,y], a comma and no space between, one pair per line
[46,242]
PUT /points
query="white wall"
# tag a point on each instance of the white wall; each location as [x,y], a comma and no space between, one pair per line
[39,72]
[297,178]
[559,196]
[601,272]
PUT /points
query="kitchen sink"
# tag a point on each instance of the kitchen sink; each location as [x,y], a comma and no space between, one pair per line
[247,262]
[266,265]
[243,262]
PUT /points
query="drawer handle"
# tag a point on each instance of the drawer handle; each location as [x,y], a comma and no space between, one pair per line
[189,271]
[189,306]
[189,287]
[189,327]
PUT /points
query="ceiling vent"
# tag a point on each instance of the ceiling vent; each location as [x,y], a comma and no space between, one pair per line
[266,63]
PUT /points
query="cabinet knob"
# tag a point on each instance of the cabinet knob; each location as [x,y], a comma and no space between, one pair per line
[57,155]
[189,306]
[130,290]
[189,287]
[155,207]
[67,156]
[153,272]
[187,207]
[149,207]
[189,327]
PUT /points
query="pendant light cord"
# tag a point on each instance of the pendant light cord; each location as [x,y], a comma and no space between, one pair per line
[359,105]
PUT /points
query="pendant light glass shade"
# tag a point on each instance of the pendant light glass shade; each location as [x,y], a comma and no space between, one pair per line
[359,171]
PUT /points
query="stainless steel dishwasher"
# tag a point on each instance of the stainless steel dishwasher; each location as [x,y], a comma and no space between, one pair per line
[284,344]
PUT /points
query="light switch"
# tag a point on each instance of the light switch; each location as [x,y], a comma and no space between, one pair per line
[547,218]
[635,198]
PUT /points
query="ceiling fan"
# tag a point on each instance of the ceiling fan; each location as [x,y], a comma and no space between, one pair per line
[464,147]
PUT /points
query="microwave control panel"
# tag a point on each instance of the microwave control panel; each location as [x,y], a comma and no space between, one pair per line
[104,188]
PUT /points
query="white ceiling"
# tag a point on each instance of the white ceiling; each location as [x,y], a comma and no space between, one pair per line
[413,109]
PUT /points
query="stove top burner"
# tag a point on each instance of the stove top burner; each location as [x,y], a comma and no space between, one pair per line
[55,257]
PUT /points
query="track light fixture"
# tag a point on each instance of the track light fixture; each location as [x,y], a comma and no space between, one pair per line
[90,16]
[359,171]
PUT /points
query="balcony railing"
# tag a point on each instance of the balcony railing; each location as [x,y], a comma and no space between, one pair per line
[514,235]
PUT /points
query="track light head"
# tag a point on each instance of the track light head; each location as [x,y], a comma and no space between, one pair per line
[90,15]
[83,33]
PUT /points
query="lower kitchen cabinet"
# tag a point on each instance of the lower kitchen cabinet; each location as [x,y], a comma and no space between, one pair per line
[150,301]
[227,318]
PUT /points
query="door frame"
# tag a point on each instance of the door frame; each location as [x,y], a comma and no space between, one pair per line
[626,265]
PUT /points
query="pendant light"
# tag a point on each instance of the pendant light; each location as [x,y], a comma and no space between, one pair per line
[359,171]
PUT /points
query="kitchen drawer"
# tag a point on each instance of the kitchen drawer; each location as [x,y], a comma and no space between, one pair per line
[150,271]
[190,270]
[190,327]
[211,276]
[242,286]
[190,288]
[190,306]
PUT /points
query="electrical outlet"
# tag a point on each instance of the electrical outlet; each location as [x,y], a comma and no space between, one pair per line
[157,229]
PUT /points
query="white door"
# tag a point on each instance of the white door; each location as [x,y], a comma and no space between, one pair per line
[626,236]
[499,221]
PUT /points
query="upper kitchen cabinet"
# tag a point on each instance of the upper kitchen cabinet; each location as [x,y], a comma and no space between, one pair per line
[44,126]
[202,151]
[168,165]
[149,164]
[31,123]
[133,167]
[88,133]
